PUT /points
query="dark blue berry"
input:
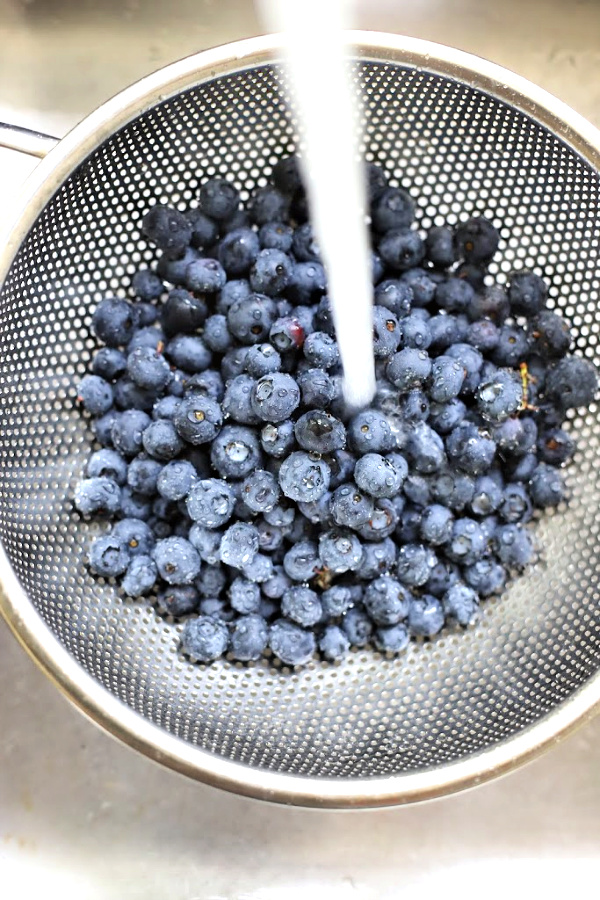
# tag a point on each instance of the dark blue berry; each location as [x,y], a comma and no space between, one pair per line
[393,208]
[333,643]
[109,363]
[401,249]
[167,228]
[205,638]
[219,199]
[140,576]
[476,240]
[293,645]
[108,557]
[97,496]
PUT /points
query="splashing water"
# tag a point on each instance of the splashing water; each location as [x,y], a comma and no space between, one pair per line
[317,64]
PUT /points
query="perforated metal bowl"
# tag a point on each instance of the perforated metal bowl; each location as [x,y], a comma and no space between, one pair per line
[466,137]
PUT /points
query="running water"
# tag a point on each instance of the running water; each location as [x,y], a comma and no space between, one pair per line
[317,66]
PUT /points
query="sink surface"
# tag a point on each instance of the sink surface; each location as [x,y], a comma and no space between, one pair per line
[83,816]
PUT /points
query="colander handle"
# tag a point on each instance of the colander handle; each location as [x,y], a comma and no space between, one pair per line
[34,143]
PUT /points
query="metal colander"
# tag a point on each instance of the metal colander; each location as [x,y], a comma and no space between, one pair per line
[465,137]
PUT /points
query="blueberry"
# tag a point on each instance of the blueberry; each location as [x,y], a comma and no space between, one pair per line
[409,368]
[379,558]
[387,333]
[189,353]
[250,319]
[336,601]
[317,389]
[135,506]
[260,491]
[401,249]
[421,284]
[378,476]
[178,601]
[514,546]
[321,350]
[522,468]
[417,489]
[262,359]
[436,524]
[235,452]
[555,446]
[447,377]
[340,550]
[476,240]
[210,502]
[515,436]
[527,293]
[140,576]
[491,302]
[268,204]
[215,607]
[249,637]
[129,395]
[109,363]
[204,229]
[146,285]
[304,245]
[461,603]
[161,440]
[211,581]
[550,335]
[546,486]
[393,209]
[145,313]
[341,463]
[219,199]
[207,543]
[393,639]
[107,463]
[302,478]
[386,600]
[293,645]
[271,272]
[444,417]
[487,496]
[350,507]
[108,557]
[471,360]
[150,336]
[395,296]
[453,489]
[205,638]
[237,403]
[484,335]
[376,181]
[320,432]
[198,419]
[444,332]
[473,274]
[414,564]
[413,406]
[370,431]
[174,270]
[287,333]
[238,251]
[426,616]
[516,505]
[276,236]
[499,397]
[439,246]
[167,228]
[571,383]
[182,313]
[135,536]
[425,449]
[274,397]
[142,475]
[286,175]
[486,577]
[455,295]
[239,544]
[244,596]
[513,346]
[149,369]
[205,384]
[467,543]
[333,643]
[301,605]
[97,496]
[469,449]
[177,560]
[443,575]
[95,394]
[358,627]
[381,523]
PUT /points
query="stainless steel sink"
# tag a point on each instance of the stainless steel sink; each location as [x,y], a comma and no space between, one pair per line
[82,816]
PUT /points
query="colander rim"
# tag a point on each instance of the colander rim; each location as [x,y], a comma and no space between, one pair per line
[95,701]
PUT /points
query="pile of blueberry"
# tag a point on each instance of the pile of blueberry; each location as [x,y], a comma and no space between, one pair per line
[249,500]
